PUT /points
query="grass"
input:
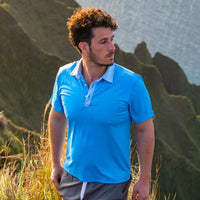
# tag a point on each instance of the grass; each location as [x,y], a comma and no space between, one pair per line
[27,176]
[31,32]
[32,181]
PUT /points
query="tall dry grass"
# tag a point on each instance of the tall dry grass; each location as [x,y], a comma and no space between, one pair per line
[27,177]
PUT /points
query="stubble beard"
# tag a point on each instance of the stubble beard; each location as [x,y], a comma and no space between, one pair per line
[94,59]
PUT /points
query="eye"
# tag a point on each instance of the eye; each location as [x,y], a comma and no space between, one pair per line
[102,41]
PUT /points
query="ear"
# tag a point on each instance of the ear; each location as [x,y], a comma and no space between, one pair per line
[84,47]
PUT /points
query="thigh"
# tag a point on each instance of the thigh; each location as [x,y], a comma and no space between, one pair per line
[102,191]
[70,187]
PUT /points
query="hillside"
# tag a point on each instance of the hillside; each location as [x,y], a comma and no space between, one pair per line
[177,132]
[26,73]
[9,143]
[175,81]
[29,65]
[13,141]
[48,24]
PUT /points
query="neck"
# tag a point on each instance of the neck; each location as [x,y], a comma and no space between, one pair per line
[91,72]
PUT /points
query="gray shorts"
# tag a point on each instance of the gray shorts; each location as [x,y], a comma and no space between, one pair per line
[71,188]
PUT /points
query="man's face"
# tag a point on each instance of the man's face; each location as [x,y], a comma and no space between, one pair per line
[101,49]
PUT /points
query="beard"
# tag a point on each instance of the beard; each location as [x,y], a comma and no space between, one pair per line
[94,59]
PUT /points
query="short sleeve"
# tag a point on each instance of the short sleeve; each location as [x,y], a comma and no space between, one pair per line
[140,106]
[56,98]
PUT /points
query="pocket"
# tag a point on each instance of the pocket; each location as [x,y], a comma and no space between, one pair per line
[63,178]
[124,188]
[69,187]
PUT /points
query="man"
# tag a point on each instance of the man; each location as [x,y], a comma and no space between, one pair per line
[97,100]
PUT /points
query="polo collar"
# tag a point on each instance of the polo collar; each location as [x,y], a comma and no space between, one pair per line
[77,71]
[108,75]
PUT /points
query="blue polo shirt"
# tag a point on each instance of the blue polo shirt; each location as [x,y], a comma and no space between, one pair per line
[99,120]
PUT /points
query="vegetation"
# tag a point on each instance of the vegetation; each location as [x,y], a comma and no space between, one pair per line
[33,44]
[28,176]
[32,181]
[26,74]
[175,81]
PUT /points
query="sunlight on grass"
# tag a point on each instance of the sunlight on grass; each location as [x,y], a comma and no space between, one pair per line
[28,175]
[32,180]
[4,5]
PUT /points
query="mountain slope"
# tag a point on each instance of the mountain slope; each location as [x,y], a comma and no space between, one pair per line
[45,22]
[28,73]
[176,126]
[175,80]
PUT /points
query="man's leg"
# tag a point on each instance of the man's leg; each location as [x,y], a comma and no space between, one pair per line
[104,191]
[71,188]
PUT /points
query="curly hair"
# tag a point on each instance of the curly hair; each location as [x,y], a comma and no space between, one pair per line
[82,21]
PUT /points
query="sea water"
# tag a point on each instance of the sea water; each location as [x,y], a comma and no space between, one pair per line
[171,27]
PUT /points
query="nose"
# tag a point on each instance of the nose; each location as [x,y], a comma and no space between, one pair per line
[111,46]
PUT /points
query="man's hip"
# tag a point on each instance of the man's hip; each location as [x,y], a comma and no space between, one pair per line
[71,188]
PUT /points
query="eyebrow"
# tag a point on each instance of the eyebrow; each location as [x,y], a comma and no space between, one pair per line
[105,38]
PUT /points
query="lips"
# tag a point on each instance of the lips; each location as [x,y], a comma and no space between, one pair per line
[110,55]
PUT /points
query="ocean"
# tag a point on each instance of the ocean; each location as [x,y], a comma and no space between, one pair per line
[170,27]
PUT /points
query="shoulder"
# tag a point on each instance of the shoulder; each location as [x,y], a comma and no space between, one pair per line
[129,80]
[63,74]
[126,75]
[67,69]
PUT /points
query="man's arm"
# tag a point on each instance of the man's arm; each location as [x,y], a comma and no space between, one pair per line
[145,144]
[57,125]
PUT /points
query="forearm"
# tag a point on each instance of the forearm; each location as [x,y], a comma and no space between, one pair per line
[57,130]
[145,145]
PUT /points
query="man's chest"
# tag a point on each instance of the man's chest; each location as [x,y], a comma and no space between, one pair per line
[102,102]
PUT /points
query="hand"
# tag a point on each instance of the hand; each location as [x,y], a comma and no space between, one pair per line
[56,175]
[141,190]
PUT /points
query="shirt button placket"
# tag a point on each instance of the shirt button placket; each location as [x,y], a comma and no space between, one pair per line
[89,94]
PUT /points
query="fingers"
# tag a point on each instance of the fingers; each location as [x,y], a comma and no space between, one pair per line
[56,183]
[134,197]
[56,176]
[139,197]
[139,193]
